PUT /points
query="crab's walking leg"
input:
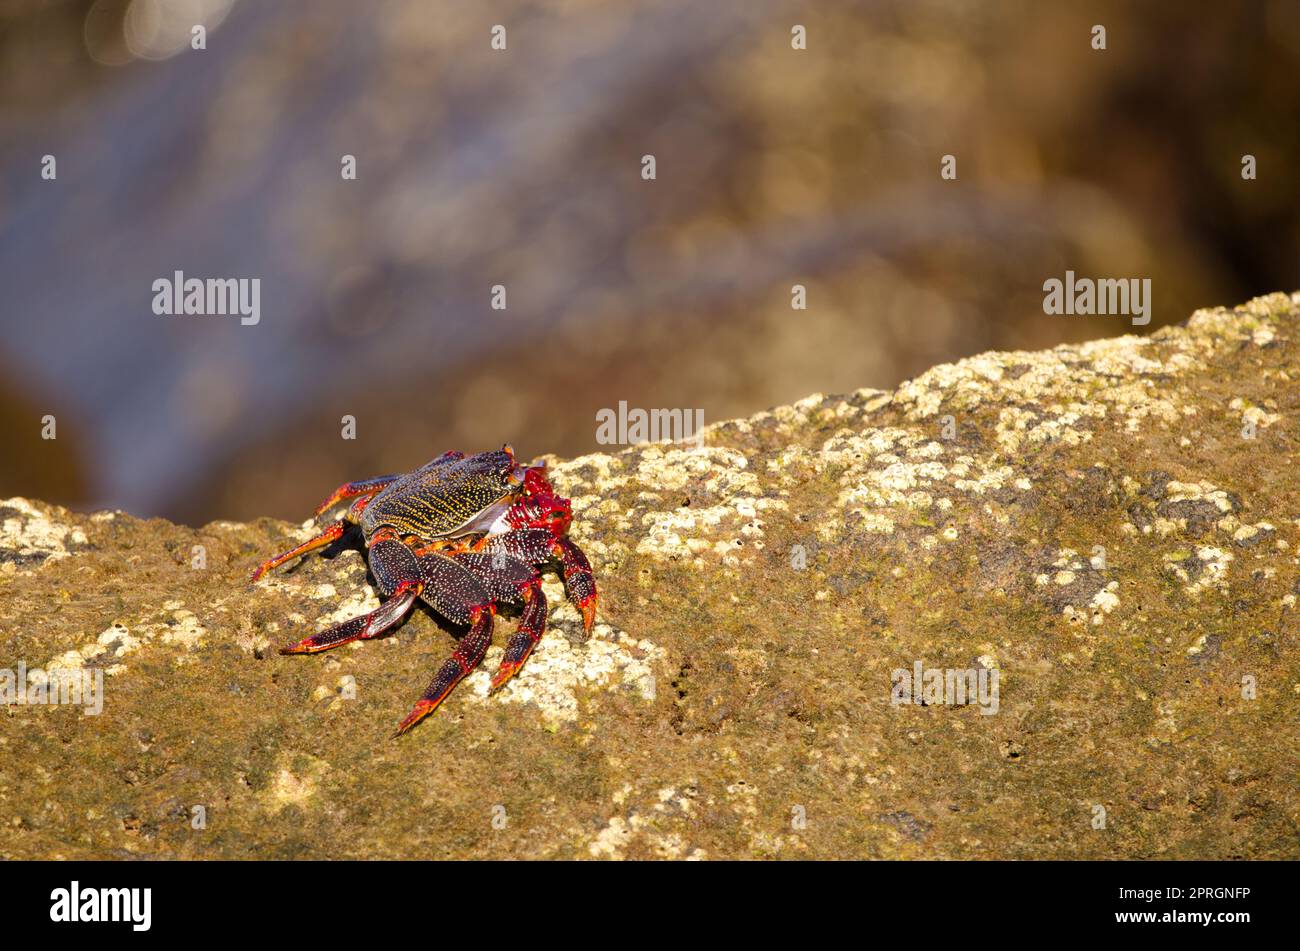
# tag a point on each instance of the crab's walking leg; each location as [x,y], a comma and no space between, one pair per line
[512,579]
[532,545]
[350,490]
[363,627]
[331,534]
[468,653]
[532,622]
[460,597]
[400,581]
[579,585]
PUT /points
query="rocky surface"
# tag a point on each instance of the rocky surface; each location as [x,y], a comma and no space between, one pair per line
[1112,527]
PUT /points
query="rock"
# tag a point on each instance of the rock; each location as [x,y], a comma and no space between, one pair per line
[1110,529]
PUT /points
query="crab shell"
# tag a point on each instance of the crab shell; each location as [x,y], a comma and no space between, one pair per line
[448,497]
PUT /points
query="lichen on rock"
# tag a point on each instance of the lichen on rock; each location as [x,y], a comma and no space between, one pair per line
[1112,527]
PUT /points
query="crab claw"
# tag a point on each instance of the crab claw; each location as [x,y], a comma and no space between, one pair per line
[579,585]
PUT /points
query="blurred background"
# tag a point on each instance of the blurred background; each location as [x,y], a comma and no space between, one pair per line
[478,167]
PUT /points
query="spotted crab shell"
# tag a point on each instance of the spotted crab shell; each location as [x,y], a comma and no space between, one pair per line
[447,497]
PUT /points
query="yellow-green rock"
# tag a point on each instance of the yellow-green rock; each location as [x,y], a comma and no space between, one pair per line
[1112,527]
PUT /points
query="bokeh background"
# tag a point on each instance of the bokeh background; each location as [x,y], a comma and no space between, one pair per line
[522,168]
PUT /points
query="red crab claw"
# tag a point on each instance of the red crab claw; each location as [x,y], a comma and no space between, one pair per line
[579,584]
[536,481]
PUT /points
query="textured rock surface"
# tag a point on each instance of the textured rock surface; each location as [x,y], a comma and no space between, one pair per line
[1112,526]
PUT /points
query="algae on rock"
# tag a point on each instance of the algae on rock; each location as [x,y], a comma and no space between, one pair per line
[1112,526]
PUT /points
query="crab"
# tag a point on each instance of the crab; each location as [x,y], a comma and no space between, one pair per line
[465,535]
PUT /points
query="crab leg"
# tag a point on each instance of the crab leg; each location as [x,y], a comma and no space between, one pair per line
[504,577]
[331,534]
[400,581]
[364,627]
[468,654]
[532,622]
[511,579]
[350,490]
[532,545]
[579,585]
[458,595]
[538,545]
